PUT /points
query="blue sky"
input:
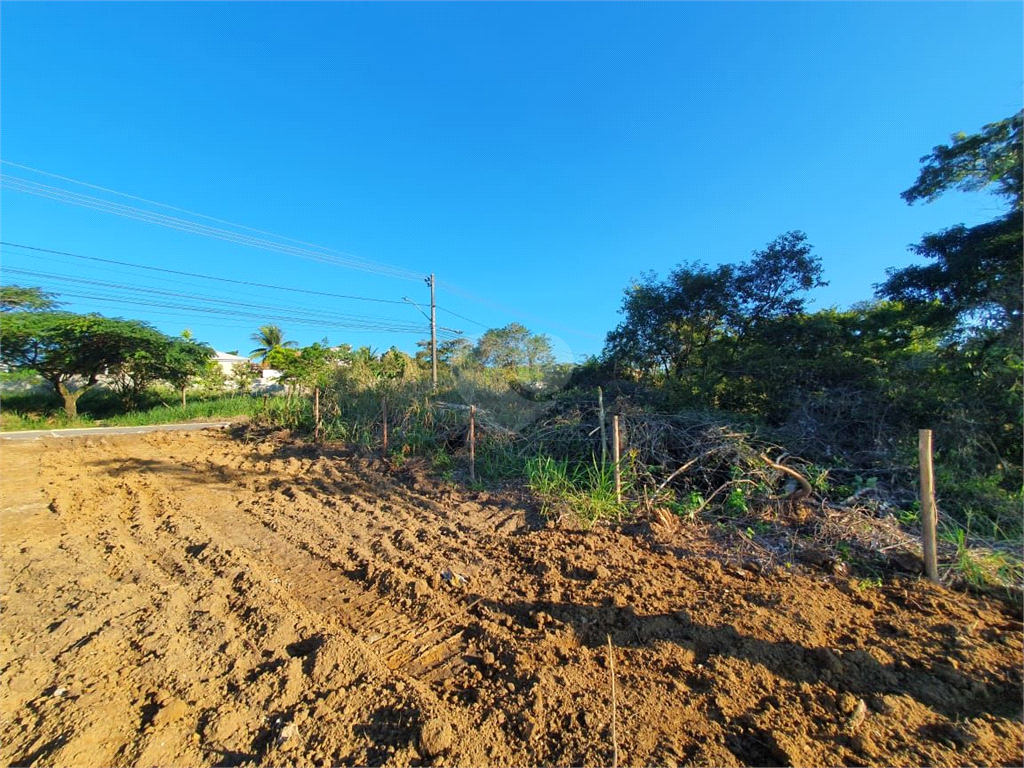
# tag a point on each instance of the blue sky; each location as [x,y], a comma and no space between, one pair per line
[535,156]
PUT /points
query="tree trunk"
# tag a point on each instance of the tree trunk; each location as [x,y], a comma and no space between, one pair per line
[183,403]
[70,398]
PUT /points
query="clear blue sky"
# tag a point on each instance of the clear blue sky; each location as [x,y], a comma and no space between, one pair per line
[536,157]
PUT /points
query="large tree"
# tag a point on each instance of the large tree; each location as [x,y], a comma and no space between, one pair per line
[514,346]
[683,326]
[72,351]
[974,272]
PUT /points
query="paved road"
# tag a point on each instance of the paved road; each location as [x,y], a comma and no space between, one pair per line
[36,434]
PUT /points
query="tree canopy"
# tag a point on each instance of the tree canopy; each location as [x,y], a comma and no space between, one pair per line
[512,346]
[673,325]
[72,351]
[16,297]
[975,272]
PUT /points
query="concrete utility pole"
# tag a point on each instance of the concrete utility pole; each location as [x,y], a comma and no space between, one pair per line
[433,334]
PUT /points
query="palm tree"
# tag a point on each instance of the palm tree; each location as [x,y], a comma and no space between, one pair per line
[269,337]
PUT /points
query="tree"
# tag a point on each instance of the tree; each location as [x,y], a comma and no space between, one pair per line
[976,272]
[269,337]
[669,324]
[184,360]
[396,364]
[244,375]
[72,351]
[312,368]
[774,283]
[454,352]
[514,346]
[684,326]
[15,297]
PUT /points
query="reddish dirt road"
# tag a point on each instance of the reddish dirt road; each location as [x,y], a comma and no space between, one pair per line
[217,599]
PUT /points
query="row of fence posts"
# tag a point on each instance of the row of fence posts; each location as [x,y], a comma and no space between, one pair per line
[929,517]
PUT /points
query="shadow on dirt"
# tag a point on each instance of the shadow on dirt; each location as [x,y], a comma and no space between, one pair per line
[943,689]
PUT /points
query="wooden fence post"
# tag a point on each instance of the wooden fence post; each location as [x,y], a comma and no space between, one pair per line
[472,443]
[615,459]
[604,429]
[384,412]
[316,413]
[928,515]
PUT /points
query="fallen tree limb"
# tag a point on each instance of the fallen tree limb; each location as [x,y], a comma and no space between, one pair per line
[805,486]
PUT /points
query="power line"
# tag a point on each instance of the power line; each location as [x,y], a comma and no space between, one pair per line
[261,316]
[463,317]
[203,277]
[199,215]
[247,283]
[132,296]
[323,255]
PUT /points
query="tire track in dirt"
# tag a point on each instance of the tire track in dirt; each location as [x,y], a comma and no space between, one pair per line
[209,600]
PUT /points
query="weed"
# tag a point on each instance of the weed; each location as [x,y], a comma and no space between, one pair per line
[863,585]
[735,504]
[845,553]
[979,566]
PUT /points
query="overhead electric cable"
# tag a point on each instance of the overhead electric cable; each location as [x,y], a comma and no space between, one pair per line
[204,277]
[237,314]
[248,283]
[324,255]
[131,289]
[462,317]
[309,251]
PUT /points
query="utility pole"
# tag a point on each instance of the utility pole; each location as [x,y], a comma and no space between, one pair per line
[433,326]
[433,334]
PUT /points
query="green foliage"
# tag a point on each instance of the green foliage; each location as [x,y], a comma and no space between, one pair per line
[850,388]
[689,505]
[977,563]
[585,491]
[976,272]
[511,347]
[867,584]
[72,351]
[735,504]
[689,326]
[103,408]
[991,158]
[454,351]
[497,461]
[185,360]
[269,338]
[243,376]
[16,297]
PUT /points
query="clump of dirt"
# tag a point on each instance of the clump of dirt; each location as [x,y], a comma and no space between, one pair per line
[206,599]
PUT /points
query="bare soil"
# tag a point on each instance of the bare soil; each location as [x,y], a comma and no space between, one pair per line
[216,599]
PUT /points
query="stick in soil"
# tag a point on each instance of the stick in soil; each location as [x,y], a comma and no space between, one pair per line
[615,740]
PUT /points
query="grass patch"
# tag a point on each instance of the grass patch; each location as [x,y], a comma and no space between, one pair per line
[226,407]
[583,491]
[983,564]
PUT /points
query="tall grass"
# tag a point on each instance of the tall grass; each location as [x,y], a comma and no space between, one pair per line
[583,491]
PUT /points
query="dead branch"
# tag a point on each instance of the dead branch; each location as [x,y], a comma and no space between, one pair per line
[805,487]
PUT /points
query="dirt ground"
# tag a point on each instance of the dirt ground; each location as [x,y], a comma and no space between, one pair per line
[211,598]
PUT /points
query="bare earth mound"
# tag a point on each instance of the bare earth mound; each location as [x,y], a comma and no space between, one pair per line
[204,599]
